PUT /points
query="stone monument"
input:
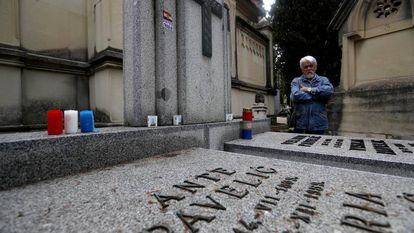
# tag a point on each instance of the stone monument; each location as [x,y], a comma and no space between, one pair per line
[259,108]
[377,74]
[175,61]
[203,190]
[175,52]
[139,62]
[385,156]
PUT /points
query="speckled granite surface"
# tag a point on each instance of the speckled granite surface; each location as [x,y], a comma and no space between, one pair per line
[396,157]
[294,197]
[30,157]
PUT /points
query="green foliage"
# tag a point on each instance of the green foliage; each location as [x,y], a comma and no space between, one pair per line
[300,29]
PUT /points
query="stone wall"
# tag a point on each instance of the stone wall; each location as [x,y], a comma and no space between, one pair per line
[10,96]
[62,155]
[240,97]
[55,28]
[9,22]
[382,109]
[59,54]
[77,46]
[251,57]
[375,95]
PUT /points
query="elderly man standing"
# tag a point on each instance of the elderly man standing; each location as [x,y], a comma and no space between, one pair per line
[309,94]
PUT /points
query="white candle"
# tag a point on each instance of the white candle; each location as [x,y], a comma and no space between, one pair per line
[71,121]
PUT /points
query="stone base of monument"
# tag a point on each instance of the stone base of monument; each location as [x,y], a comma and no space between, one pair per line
[259,111]
[34,156]
[202,190]
[386,156]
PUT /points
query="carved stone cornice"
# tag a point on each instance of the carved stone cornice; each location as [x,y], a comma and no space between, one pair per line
[238,84]
[20,57]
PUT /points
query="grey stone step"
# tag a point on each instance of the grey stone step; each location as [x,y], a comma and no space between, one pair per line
[385,156]
[35,156]
[280,196]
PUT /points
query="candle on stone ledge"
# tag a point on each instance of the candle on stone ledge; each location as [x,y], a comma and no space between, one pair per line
[247,123]
[86,121]
[71,121]
[54,122]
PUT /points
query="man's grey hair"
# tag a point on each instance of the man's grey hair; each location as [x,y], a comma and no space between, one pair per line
[309,59]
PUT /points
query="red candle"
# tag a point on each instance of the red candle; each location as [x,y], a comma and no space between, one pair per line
[247,114]
[247,131]
[54,122]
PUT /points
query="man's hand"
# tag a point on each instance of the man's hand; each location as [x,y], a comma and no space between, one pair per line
[305,89]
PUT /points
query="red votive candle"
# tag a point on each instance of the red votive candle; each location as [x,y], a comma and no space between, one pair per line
[54,122]
[247,114]
[247,131]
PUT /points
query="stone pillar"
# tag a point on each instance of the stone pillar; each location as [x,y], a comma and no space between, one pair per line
[232,20]
[267,31]
[201,93]
[10,70]
[139,61]
[104,41]
[166,61]
[227,58]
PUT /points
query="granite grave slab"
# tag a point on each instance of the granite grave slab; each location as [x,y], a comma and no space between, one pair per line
[386,156]
[34,156]
[202,190]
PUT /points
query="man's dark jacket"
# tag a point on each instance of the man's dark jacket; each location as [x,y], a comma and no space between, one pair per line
[310,108]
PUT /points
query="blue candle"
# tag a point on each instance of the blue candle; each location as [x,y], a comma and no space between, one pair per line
[247,123]
[86,121]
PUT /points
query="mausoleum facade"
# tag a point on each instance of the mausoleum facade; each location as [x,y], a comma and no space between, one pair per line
[251,56]
[69,55]
[376,90]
